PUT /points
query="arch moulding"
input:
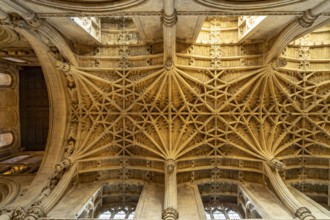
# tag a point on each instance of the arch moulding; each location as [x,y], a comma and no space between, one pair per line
[57,117]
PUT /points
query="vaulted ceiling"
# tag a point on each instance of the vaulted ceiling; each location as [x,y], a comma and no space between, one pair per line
[209,84]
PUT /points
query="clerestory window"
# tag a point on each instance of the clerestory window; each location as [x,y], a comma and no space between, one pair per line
[220,213]
[105,215]
[117,214]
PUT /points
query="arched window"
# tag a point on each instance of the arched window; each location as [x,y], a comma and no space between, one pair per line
[119,201]
[220,213]
[105,215]
[114,213]
[6,139]
[5,79]
[220,202]
[217,214]
[233,214]
[131,215]
[120,215]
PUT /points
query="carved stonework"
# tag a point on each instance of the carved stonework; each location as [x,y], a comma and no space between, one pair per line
[304,55]
[66,163]
[307,19]
[19,213]
[34,213]
[170,214]
[169,63]
[169,20]
[34,21]
[123,34]
[304,213]
[276,164]
[52,183]
[65,67]
[170,166]
[69,148]
[215,116]
[279,63]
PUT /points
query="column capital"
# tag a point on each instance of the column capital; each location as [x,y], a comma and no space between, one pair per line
[276,164]
[304,213]
[169,20]
[170,165]
[170,214]
[169,65]
[277,63]
[35,213]
[307,19]
[18,213]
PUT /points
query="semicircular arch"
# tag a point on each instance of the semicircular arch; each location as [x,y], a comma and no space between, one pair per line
[57,115]
[9,190]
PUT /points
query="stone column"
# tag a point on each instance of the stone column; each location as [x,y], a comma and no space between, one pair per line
[170,201]
[169,19]
[291,203]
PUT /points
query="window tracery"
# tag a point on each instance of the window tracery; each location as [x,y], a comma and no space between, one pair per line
[219,212]
[125,212]
[221,200]
[116,201]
